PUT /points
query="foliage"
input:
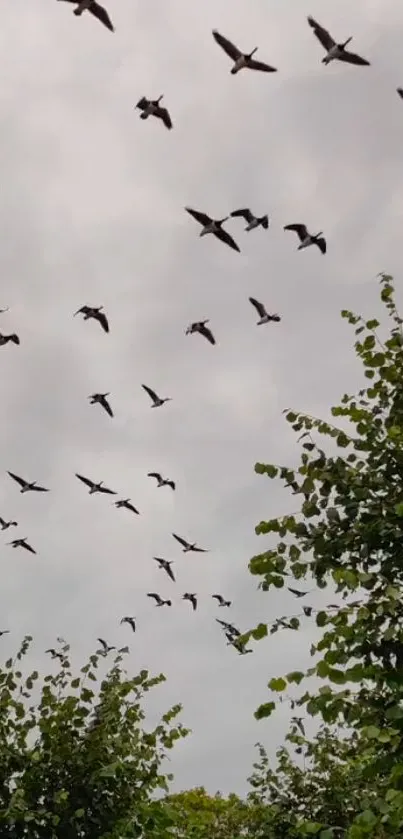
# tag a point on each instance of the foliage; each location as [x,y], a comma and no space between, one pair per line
[75,761]
[197,815]
[349,533]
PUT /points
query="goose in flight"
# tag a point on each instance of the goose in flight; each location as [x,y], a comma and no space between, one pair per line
[96,313]
[335,51]
[306,238]
[251,220]
[6,524]
[157,401]
[55,654]
[131,621]
[158,600]
[26,486]
[165,564]
[161,482]
[189,546]
[22,543]
[200,327]
[95,9]
[126,504]
[192,599]
[213,226]
[298,592]
[221,600]
[229,628]
[241,60]
[94,487]
[5,339]
[263,314]
[152,108]
[100,399]
[105,647]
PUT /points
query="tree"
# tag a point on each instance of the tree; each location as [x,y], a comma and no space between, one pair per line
[76,761]
[197,815]
[349,533]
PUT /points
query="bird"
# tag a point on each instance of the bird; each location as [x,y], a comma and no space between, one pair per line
[252,221]
[5,339]
[335,51]
[213,226]
[22,543]
[125,502]
[165,564]
[158,600]
[6,524]
[95,9]
[96,313]
[157,401]
[241,60]
[229,627]
[130,621]
[307,610]
[26,486]
[55,654]
[306,238]
[105,647]
[192,599]
[152,108]
[241,648]
[200,327]
[94,487]
[263,314]
[101,399]
[189,546]
[297,592]
[162,482]
[4,632]
[221,600]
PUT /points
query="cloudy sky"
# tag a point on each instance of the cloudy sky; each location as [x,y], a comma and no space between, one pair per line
[91,211]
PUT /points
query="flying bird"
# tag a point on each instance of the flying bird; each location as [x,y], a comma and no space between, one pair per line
[152,108]
[335,51]
[162,482]
[105,647]
[5,339]
[157,401]
[263,314]
[192,599]
[307,610]
[22,543]
[241,60]
[130,621]
[165,564]
[26,486]
[100,399]
[4,632]
[94,487]
[189,546]
[6,524]
[221,600]
[126,504]
[95,9]
[297,592]
[213,226]
[200,327]
[96,313]
[158,600]
[229,627]
[55,654]
[252,221]
[306,238]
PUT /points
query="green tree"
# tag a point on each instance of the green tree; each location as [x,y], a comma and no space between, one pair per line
[197,815]
[75,759]
[349,533]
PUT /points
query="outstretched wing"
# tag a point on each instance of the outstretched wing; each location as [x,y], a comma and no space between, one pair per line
[163,114]
[321,243]
[258,306]
[37,488]
[154,475]
[154,595]
[322,34]
[180,540]
[19,480]
[227,45]
[107,491]
[85,481]
[132,508]
[152,394]
[200,550]
[204,330]
[202,218]
[28,547]
[227,239]
[260,65]
[170,573]
[105,404]
[103,320]
[246,214]
[353,58]
[102,15]
[299,229]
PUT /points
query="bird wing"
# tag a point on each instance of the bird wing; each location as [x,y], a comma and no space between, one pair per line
[300,229]
[20,481]
[85,480]
[202,218]
[322,34]
[218,597]
[2,521]
[163,114]
[246,214]
[142,104]
[107,491]
[180,540]
[193,601]
[260,65]
[227,239]
[103,320]
[321,243]
[296,592]
[227,45]
[169,571]
[131,507]
[258,306]
[27,547]
[102,15]
[200,550]
[171,484]
[105,404]
[154,475]
[40,489]
[204,330]
[154,595]
[353,58]
[152,394]
[399,90]
[104,644]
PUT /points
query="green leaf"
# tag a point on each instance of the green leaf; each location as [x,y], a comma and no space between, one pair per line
[277,684]
[265,710]
[260,631]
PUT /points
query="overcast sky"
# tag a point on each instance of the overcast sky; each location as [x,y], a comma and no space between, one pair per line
[91,212]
